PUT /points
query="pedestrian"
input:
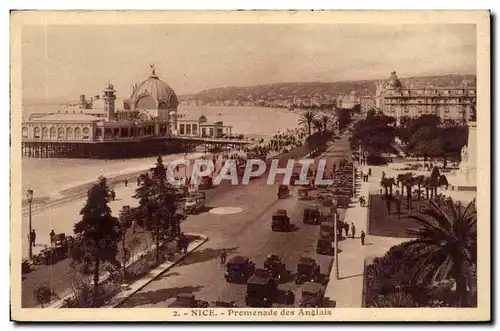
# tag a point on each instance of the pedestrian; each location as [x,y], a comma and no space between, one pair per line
[113,195]
[52,236]
[223,257]
[353,230]
[346,228]
[362,237]
[33,237]
[369,171]
[138,181]
[126,183]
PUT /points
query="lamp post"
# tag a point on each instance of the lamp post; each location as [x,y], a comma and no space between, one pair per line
[29,196]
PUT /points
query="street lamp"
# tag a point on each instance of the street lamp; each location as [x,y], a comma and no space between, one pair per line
[29,196]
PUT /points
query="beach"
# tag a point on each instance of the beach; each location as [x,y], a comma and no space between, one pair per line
[57,178]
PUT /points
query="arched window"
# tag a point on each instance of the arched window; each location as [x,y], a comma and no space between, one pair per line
[45,133]
[60,134]
[78,134]
[36,132]
[53,135]
[69,134]
[25,132]
[86,133]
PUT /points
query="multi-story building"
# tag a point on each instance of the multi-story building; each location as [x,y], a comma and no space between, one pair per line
[450,103]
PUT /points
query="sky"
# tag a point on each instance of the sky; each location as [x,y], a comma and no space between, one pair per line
[65,61]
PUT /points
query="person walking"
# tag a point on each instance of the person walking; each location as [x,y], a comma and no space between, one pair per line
[362,237]
[52,237]
[223,257]
[353,230]
[33,237]
[138,181]
[346,228]
[126,183]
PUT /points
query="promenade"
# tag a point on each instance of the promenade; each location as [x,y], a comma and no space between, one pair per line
[59,276]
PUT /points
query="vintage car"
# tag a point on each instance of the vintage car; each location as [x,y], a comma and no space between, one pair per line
[311,215]
[303,193]
[307,270]
[324,244]
[188,301]
[261,291]
[283,192]
[194,203]
[276,268]
[206,183]
[281,221]
[313,295]
[225,304]
[239,269]
[59,250]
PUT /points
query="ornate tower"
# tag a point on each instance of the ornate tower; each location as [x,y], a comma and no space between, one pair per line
[109,101]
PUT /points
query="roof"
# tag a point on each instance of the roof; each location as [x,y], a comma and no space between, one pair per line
[238,259]
[156,88]
[311,287]
[68,117]
[258,280]
[306,260]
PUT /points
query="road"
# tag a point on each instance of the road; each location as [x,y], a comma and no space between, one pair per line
[247,233]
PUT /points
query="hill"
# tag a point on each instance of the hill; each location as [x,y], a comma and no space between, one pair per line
[302,92]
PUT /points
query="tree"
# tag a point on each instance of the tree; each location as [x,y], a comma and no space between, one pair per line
[44,295]
[99,231]
[387,183]
[317,125]
[343,117]
[125,221]
[325,121]
[419,181]
[307,119]
[443,181]
[408,180]
[435,179]
[395,300]
[157,210]
[446,245]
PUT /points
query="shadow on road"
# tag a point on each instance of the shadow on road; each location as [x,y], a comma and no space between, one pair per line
[170,274]
[153,297]
[207,254]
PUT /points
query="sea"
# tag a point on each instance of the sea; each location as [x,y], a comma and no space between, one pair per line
[49,178]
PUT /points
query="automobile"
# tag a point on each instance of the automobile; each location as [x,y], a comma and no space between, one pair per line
[307,270]
[239,269]
[206,183]
[283,192]
[225,304]
[281,221]
[188,301]
[261,291]
[276,268]
[311,215]
[303,193]
[194,203]
[324,244]
[312,295]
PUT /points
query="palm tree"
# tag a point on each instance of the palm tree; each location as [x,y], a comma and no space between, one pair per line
[387,184]
[408,180]
[419,181]
[400,179]
[317,125]
[428,187]
[395,300]
[306,119]
[325,120]
[446,245]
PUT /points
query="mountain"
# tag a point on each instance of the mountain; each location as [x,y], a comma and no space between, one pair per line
[320,92]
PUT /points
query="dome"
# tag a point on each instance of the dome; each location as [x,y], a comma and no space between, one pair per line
[393,82]
[153,93]
[202,119]
[172,113]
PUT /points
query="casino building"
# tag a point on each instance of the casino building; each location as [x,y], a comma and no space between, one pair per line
[452,104]
[100,129]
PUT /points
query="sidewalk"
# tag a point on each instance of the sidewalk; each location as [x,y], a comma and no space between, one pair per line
[347,290]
